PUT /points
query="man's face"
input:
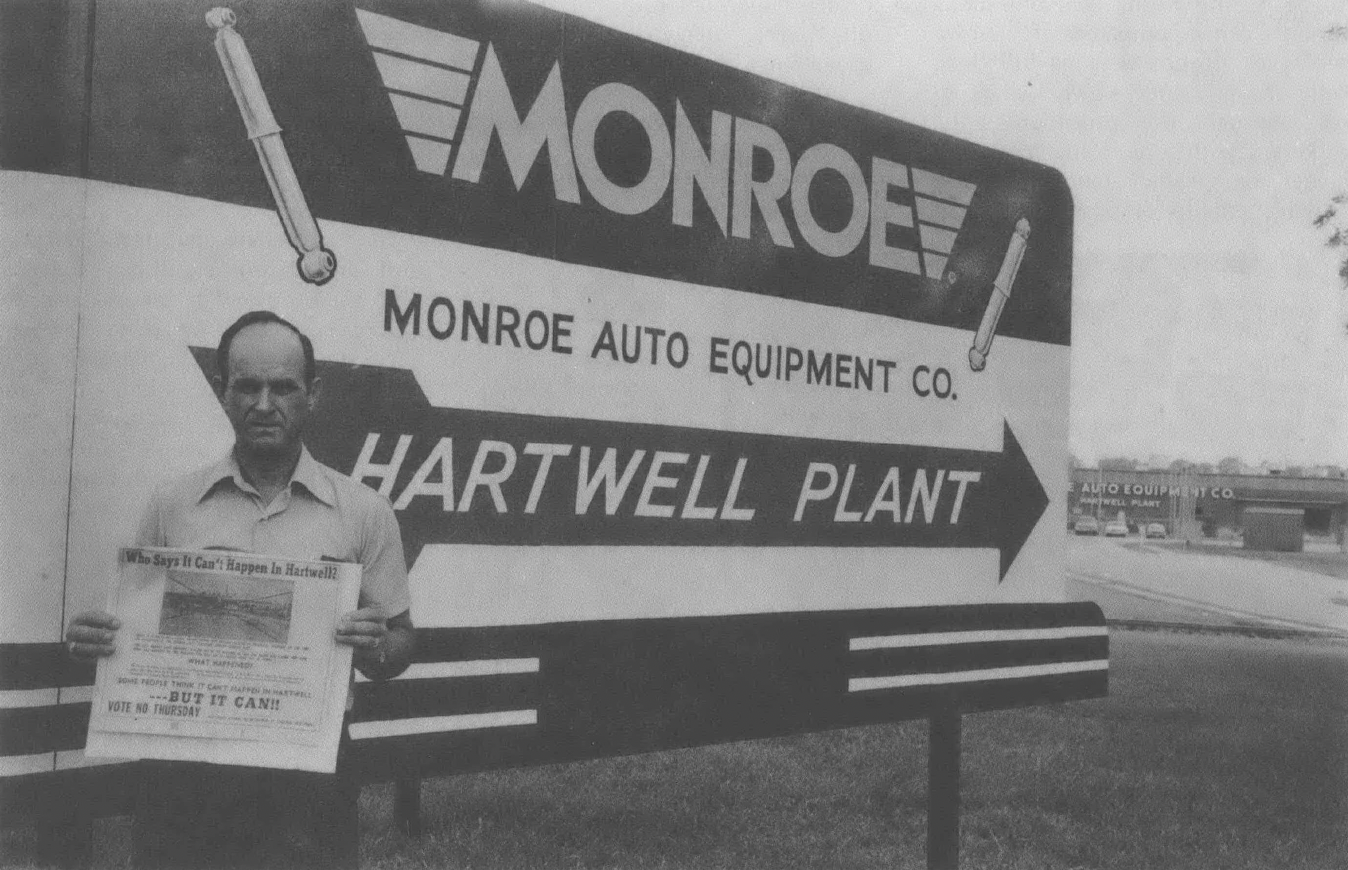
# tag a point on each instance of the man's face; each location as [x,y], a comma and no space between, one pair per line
[265,396]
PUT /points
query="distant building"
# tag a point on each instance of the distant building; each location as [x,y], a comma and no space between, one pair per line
[1218,500]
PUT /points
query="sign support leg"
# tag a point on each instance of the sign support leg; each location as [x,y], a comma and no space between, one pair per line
[65,831]
[943,789]
[407,806]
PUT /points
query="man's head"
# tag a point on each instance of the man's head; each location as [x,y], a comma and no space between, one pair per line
[266,384]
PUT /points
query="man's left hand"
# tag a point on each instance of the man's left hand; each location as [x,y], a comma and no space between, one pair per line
[364,629]
[383,644]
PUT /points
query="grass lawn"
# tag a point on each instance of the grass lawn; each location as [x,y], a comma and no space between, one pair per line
[1211,752]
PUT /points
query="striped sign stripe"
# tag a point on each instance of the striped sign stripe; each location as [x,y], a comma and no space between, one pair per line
[440,724]
[71,758]
[971,657]
[428,119]
[978,636]
[937,239]
[974,655]
[901,681]
[445,688]
[940,187]
[12,698]
[929,211]
[19,765]
[429,82]
[76,695]
[474,668]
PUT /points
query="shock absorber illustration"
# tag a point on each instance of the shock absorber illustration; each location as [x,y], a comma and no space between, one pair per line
[316,263]
[1001,291]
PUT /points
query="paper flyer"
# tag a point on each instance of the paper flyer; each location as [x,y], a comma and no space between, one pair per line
[225,657]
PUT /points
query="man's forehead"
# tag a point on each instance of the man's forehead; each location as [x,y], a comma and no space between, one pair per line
[266,348]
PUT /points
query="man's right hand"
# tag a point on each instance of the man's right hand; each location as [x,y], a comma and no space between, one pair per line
[92,634]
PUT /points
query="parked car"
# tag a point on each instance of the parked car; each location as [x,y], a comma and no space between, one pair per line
[1154,530]
[1087,526]
[1116,529]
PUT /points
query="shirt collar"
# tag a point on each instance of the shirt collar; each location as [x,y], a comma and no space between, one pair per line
[308,474]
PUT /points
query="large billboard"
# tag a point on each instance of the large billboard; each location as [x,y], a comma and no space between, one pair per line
[709,407]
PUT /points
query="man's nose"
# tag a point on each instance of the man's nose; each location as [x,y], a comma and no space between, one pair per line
[265,400]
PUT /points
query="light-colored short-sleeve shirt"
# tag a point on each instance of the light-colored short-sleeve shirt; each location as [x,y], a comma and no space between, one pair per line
[322,514]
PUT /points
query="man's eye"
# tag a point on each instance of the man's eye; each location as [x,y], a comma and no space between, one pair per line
[284,389]
[246,386]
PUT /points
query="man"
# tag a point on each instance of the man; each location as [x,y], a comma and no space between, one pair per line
[268,496]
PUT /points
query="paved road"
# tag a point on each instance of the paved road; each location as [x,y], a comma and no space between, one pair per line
[1131,579]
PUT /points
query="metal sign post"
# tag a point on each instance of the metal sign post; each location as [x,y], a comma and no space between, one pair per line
[943,789]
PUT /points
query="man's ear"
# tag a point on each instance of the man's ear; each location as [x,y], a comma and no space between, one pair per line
[219,386]
[315,389]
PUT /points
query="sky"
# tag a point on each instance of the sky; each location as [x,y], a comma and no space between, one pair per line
[1200,139]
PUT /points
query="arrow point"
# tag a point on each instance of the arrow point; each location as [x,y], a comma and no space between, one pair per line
[1020,500]
[205,360]
[412,548]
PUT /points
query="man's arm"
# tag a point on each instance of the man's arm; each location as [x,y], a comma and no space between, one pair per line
[383,646]
[383,643]
[92,634]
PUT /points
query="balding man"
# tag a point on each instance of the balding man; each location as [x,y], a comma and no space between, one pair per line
[268,495]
